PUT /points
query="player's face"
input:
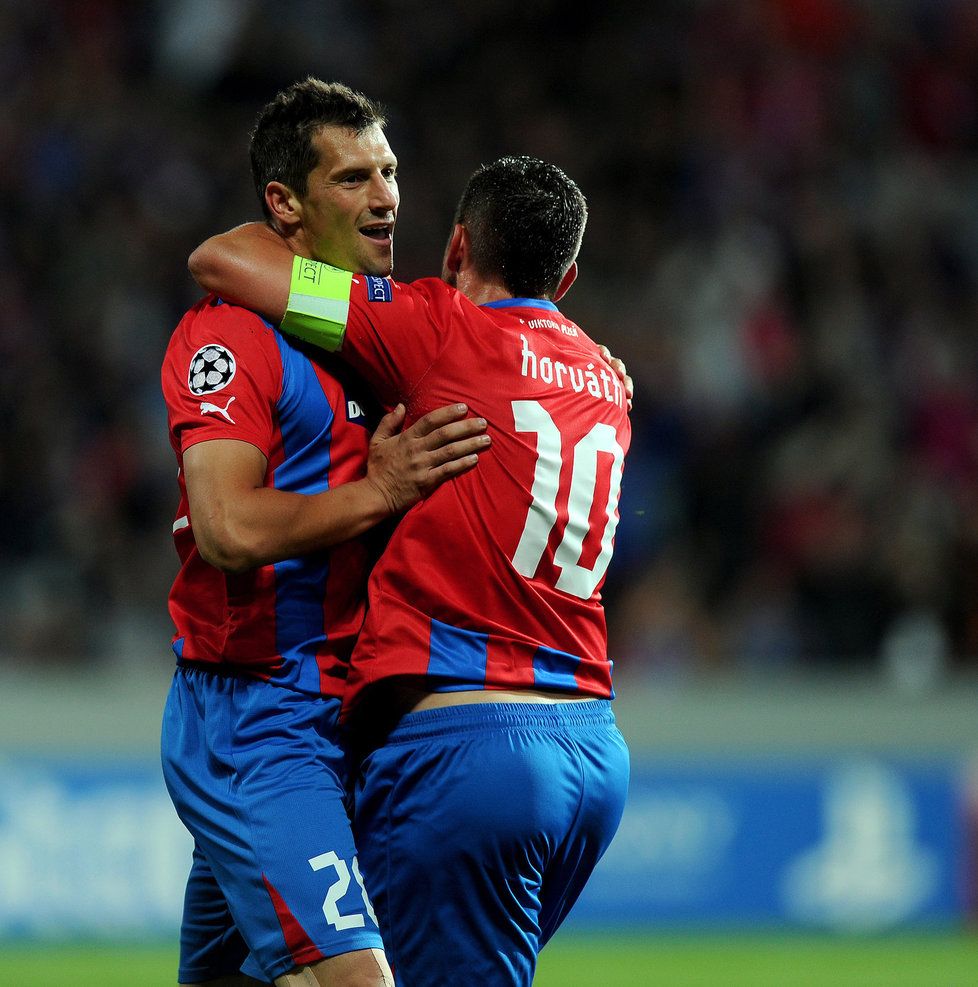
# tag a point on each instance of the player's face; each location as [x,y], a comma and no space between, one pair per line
[350,205]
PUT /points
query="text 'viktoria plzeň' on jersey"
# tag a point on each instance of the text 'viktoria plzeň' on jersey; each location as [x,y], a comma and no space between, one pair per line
[603,385]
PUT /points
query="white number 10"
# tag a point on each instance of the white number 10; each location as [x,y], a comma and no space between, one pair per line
[531,416]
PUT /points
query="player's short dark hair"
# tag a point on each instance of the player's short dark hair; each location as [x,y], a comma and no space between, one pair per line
[281,140]
[525,219]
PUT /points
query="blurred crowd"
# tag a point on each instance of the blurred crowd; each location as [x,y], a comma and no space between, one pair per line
[783,245]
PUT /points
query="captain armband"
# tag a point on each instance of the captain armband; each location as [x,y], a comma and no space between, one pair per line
[319,303]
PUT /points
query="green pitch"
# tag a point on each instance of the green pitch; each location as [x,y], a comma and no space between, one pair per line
[754,961]
[574,960]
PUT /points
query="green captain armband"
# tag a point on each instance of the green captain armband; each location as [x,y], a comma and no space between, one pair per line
[319,303]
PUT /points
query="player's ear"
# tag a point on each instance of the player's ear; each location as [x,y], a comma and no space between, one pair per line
[457,251]
[283,206]
[570,276]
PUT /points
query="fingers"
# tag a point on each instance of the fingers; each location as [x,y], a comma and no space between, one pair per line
[442,426]
[615,363]
[439,417]
[451,449]
[626,382]
[621,370]
[390,424]
[444,438]
[447,471]
[459,450]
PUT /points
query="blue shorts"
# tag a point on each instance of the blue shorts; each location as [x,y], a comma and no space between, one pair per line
[478,827]
[256,775]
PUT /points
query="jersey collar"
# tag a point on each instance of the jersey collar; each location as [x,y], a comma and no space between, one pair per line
[520,303]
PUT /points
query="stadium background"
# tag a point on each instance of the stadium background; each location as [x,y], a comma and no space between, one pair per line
[783,245]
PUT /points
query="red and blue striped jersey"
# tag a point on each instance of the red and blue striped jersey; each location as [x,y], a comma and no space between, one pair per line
[228,374]
[494,580]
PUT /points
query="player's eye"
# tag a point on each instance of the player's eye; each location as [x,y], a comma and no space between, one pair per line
[390,174]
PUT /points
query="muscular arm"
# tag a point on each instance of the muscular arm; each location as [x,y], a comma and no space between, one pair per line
[240,524]
[250,265]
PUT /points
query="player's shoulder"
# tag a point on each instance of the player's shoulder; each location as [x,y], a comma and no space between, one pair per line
[429,291]
[214,320]
[427,301]
[216,337]
[563,332]
[579,336]
[213,311]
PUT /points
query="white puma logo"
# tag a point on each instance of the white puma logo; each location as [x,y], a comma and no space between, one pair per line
[206,406]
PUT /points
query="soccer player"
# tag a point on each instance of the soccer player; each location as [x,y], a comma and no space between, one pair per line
[279,477]
[494,777]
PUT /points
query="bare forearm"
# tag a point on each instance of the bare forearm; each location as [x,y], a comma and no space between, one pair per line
[250,265]
[264,526]
[239,523]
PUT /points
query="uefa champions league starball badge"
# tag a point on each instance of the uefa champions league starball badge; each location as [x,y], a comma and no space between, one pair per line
[211,369]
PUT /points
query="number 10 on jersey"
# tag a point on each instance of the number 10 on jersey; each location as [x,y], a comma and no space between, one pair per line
[578,580]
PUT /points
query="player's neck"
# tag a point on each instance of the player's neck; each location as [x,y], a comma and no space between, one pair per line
[481,290]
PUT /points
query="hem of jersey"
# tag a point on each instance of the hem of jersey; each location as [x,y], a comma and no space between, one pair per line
[357,704]
[314,954]
[365,940]
[194,438]
[228,671]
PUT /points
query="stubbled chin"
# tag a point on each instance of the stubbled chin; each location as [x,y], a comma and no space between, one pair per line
[375,258]
[379,268]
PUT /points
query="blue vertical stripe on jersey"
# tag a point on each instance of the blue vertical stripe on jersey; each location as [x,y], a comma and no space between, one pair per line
[457,654]
[306,421]
[554,669]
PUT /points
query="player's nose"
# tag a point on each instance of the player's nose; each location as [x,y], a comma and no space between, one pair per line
[384,196]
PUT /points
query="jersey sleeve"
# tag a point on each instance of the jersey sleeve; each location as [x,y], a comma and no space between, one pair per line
[222,376]
[389,332]
[394,332]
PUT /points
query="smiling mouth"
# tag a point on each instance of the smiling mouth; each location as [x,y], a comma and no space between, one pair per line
[378,232]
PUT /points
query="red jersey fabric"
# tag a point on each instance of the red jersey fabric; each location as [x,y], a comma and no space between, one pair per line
[228,374]
[494,580]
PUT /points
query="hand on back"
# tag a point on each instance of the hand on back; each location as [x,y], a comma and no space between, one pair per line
[406,466]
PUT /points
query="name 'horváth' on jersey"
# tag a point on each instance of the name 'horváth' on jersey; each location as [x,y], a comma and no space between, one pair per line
[599,385]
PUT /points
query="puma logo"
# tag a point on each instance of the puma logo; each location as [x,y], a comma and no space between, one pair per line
[206,406]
